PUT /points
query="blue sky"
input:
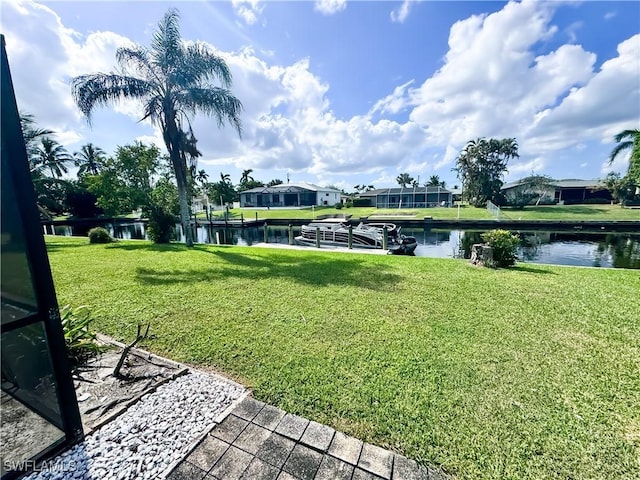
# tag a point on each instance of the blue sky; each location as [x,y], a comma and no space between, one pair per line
[344,93]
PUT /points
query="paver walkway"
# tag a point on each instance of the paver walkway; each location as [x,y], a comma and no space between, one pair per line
[256,441]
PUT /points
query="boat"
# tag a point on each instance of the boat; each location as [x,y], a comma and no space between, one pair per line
[336,233]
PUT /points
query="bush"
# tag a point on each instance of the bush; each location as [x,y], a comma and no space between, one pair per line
[361,202]
[504,246]
[99,235]
[338,206]
[80,340]
[161,226]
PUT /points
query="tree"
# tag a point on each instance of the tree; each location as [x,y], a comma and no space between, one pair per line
[629,140]
[434,181]
[274,182]
[363,188]
[481,166]
[90,160]
[124,184]
[173,81]
[620,187]
[246,176]
[52,156]
[31,133]
[404,179]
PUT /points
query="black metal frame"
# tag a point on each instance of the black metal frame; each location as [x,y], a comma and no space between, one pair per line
[47,311]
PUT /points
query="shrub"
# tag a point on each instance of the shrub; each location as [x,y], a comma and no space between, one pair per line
[79,338]
[504,246]
[99,235]
[161,226]
[361,202]
[338,206]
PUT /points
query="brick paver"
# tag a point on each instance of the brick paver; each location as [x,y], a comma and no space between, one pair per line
[257,441]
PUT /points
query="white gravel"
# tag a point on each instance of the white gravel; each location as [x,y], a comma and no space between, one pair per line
[152,434]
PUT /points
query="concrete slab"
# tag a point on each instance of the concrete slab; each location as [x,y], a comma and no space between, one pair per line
[187,471]
[269,417]
[208,452]
[303,463]
[232,464]
[376,460]
[333,469]
[318,436]
[248,408]
[292,426]
[259,470]
[360,474]
[346,448]
[407,469]
[252,438]
[275,450]
[229,429]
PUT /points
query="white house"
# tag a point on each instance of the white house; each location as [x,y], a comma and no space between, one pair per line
[298,194]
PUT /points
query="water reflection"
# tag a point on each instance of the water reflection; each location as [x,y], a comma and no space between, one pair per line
[619,250]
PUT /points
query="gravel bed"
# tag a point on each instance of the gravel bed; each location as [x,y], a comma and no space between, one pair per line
[151,435]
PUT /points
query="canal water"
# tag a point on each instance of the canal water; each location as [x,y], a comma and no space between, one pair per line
[618,250]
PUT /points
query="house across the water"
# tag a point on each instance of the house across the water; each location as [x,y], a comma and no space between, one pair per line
[409,197]
[289,195]
[569,191]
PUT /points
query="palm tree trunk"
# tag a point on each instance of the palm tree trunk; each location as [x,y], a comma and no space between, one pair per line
[181,181]
[172,141]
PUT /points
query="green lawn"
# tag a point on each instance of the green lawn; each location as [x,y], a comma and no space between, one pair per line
[528,373]
[552,212]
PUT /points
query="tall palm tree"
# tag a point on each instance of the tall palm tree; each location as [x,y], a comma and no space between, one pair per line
[246,176]
[52,156]
[90,159]
[32,133]
[404,179]
[629,140]
[173,81]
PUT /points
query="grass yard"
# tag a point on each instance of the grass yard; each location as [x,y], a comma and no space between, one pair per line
[528,373]
[551,212]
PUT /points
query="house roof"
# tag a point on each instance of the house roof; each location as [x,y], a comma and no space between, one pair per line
[566,183]
[291,187]
[408,190]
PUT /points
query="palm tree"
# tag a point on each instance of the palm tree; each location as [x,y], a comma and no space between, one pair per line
[173,80]
[629,140]
[90,159]
[202,177]
[52,156]
[246,176]
[404,179]
[434,181]
[31,133]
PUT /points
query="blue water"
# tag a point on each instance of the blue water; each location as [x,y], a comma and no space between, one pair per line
[617,250]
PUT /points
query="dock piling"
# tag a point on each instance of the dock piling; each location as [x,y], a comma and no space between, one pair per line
[350,239]
[290,234]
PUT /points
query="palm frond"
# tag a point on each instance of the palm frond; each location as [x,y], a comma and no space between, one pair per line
[166,44]
[100,89]
[621,147]
[138,58]
[201,64]
[630,134]
[217,102]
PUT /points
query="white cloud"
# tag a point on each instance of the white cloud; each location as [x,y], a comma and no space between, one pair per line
[572,30]
[490,84]
[400,14]
[393,102]
[608,103]
[329,7]
[610,15]
[248,10]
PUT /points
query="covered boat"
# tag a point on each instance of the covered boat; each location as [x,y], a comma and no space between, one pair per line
[336,233]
